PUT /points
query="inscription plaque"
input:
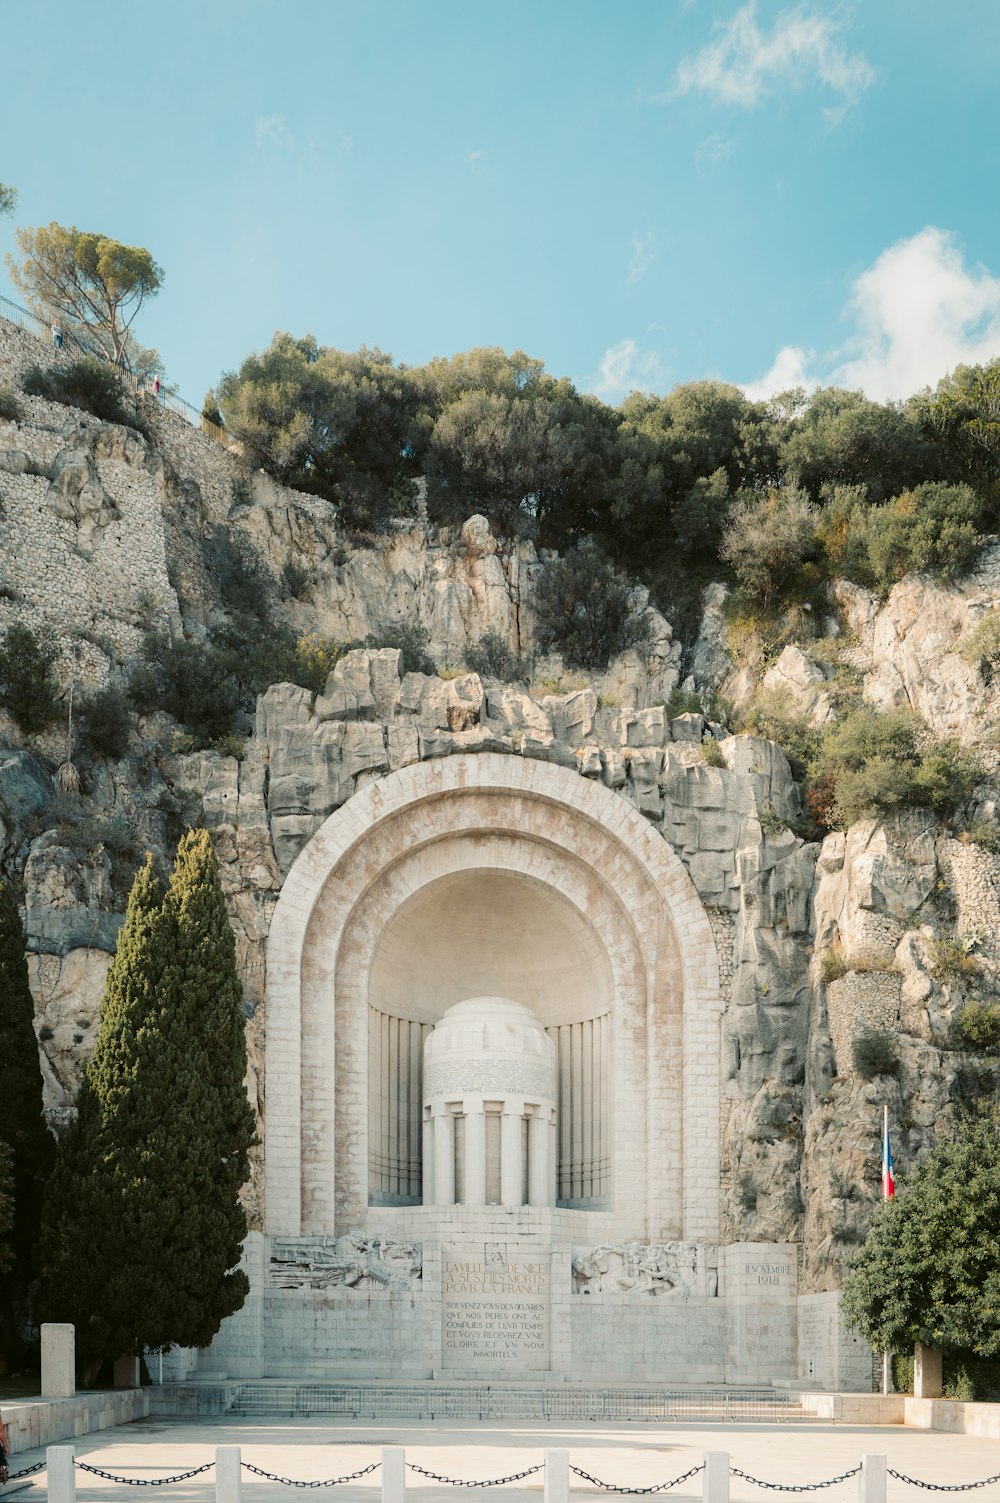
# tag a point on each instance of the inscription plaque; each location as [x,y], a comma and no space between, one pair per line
[495,1307]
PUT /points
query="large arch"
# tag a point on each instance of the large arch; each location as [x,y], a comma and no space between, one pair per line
[373,858]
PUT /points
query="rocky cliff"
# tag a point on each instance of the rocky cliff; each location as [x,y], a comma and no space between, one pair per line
[889,927]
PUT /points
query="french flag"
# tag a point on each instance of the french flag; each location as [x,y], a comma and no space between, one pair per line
[888,1180]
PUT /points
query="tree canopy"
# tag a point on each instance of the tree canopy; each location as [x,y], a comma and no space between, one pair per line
[929,1270]
[94,283]
[668,488]
[8,198]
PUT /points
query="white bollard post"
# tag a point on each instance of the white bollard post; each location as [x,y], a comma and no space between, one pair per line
[228,1474]
[61,1474]
[715,1478]
[871,1483]
[393,1474]
[557,1477]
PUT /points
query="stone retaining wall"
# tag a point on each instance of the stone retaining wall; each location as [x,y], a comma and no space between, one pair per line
[41,1422]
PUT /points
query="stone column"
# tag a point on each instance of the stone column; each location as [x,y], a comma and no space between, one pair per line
[475,1153]
[427,1193]
[927,1381]
[511,1188]
[58,1361]
[539,1139]
[444,1157]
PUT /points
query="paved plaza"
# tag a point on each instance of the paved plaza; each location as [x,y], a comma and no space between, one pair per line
[626,1455]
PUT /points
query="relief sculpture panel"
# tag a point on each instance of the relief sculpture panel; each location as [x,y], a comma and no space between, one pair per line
[660,1268]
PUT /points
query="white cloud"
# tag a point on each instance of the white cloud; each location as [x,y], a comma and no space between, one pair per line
[917,312]
[743,65]
[273,128]
[790,368]
[644,252]
[472,157]
[625,367]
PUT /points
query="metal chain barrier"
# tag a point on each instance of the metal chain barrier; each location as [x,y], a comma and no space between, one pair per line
[297,1482]
[801,1487]
[144,1481]
[460,1482]
[29,1471]
[942,1487]
[639,1492]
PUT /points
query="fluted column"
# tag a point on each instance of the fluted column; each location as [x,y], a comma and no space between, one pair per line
[539,1157]
[511,1187]
[427,1127]
[444,1157]
[475,1154]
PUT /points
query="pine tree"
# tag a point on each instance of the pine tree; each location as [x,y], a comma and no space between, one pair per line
[22,1124]
[154,1166]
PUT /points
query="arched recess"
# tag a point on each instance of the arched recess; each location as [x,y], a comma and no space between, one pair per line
[392,840]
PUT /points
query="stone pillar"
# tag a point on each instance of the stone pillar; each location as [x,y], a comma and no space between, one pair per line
[475,1154]
[444,1158]
[126,1372]
[927,1379]
[427,1161]
[228,1474]
[511,1187]
[539,1157]
[58,1361]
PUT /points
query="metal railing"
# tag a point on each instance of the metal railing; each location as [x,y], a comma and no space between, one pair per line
[140,389]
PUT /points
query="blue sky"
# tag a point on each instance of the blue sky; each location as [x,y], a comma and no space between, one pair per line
[639,193]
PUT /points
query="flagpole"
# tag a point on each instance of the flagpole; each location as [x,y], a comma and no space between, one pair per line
[886,1359]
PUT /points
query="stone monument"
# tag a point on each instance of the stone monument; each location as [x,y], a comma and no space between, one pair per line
[493,1099]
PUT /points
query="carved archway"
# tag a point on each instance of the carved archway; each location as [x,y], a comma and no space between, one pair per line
[539,822]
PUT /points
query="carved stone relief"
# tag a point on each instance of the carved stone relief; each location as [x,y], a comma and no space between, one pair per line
[349,1262]
[664,1268]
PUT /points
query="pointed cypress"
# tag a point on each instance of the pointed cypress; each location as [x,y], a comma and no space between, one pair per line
[22,1124]
[154,1166]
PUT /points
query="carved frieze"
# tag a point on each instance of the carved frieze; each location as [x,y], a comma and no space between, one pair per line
[351,1262]
[640,1268]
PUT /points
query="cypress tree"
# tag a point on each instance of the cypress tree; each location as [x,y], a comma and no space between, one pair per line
[22,1124]
[142,1250]
[6,1207]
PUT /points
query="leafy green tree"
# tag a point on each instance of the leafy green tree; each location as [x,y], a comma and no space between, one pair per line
[22,1125]
[143,1237]
[842,438]
[93,282]
[963,417]
[8,199]
[929,1270]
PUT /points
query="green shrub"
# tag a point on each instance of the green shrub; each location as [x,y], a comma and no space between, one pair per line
[711,752]
[10,407]
[193,681]
[27,686]
[983,832]
[982,643]
[846,1232]
[875,1054]
[768,539]
[683,702]
[934,527]
[238,574]
[584,609]
[773,714]
[490,657]
[411,642]
[792,1199]
[976,1027]
[963,1376]
[88,383]
[105,721]
[869,763]
[832,966]
[953,958]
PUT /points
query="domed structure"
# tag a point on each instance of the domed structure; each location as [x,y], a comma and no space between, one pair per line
[489,1105]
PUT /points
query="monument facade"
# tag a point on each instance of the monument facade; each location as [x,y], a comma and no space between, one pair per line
[493,1101]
